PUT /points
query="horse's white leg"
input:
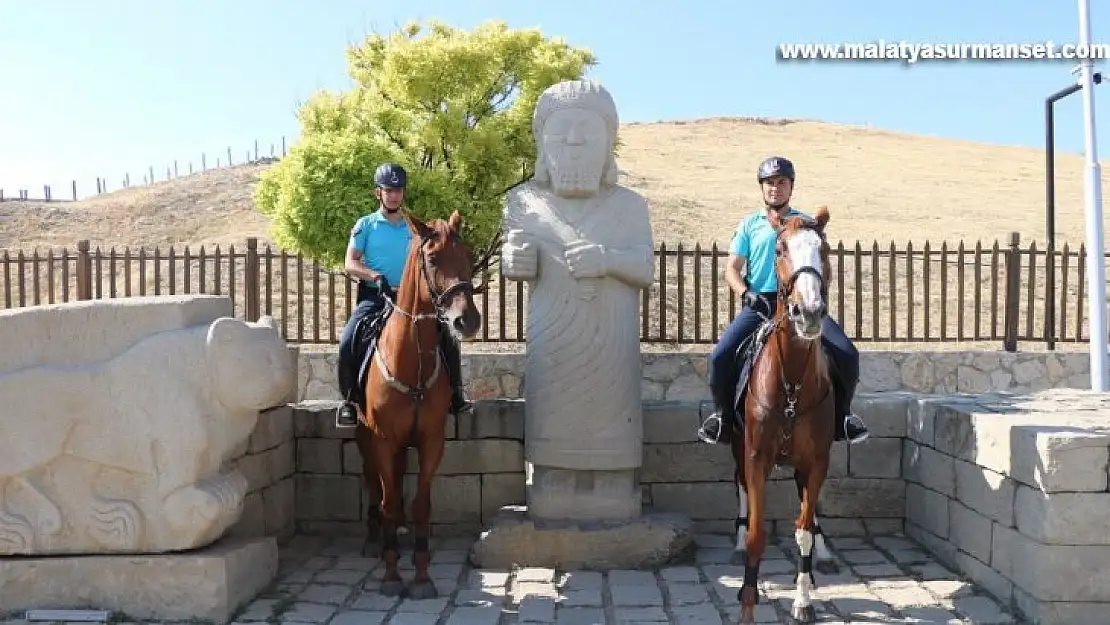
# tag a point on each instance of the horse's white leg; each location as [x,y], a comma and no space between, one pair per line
[819,548]
[742,519]
[802,600]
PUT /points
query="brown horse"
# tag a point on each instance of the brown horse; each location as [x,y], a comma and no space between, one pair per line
[789,413]
[408,392]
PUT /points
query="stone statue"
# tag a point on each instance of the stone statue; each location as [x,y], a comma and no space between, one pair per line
[126,452]
[584,245]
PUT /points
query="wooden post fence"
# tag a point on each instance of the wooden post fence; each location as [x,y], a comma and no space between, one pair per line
[250,280]
[1013,292]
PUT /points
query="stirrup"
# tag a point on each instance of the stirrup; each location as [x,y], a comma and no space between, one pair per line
[346,415]
[461,406]
[705,436]
[863,433]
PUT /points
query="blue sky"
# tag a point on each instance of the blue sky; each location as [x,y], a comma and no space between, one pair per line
[110,87]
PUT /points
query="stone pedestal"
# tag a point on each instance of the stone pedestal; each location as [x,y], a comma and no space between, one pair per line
[556,494]
[206,584]
[651,539]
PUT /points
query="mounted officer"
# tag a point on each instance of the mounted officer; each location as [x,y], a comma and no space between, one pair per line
[753,245]
[376,255]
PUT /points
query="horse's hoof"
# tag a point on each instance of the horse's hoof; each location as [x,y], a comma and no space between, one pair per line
[827,567]
[738,557]
[747,614]
[393,588]
[804,614]
[422,590]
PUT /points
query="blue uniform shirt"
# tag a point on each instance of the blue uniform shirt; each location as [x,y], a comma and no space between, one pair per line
[755,240]
[384,246]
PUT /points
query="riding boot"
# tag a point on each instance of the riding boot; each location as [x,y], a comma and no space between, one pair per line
[346,415]
[850,426]
[717,427]
[452,356]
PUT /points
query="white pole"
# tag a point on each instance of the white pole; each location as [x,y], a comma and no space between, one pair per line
[1096,305]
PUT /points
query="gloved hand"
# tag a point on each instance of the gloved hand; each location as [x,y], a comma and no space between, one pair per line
[750,299]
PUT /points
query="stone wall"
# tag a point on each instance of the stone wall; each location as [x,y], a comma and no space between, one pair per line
[1013,493]
[483,469]
[269,463]
[682,376]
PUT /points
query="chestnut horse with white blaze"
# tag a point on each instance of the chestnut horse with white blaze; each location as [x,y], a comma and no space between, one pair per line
[788,408]
[408,390]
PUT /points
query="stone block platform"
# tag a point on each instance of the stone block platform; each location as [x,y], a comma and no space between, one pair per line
[883,579]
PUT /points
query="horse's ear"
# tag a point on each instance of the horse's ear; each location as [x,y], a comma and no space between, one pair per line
[418,227]
[455,221]
[822,218]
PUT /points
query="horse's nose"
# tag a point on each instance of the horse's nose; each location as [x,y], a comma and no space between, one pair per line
[460,324]
[822,310]
[795,309]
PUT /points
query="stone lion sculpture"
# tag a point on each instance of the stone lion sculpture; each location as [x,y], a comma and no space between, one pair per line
[127,453]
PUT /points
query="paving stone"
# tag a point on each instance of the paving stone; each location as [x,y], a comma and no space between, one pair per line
[414,618]
[701,614]
[537,610]
[374,601]
[535,575]
[481,578]
[631,578]
[582,580]
[863,556]
[635,616]
[638,595]
[682,574]
[586,597]
[982,610]
[424,606]
[475,616]
[478,598]
[878,570]
[309,612]
[579,616]
[940,616]
[358,617]
[686,594]
[882,580]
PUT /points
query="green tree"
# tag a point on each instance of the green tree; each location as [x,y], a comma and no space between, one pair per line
[454,107]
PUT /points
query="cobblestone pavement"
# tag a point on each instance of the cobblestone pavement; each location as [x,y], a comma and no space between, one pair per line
[881,580]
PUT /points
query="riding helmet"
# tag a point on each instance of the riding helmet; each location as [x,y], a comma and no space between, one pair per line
[390,175]
[775,166]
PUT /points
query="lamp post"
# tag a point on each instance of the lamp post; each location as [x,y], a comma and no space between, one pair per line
[1092,187]
[1050,207]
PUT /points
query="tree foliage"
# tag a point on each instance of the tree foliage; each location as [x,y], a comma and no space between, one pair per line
[453,107]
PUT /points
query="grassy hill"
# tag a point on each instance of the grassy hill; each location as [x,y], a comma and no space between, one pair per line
[698,176]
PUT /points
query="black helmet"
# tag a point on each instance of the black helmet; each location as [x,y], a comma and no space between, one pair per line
[775,166]
[390,175]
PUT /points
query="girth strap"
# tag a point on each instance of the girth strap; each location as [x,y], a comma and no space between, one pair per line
[418,393]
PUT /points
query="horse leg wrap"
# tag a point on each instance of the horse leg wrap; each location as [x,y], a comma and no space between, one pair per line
[805,548]
[420,543]
[751,580]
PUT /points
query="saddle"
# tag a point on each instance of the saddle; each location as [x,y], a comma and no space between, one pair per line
[367,332]
[748,354]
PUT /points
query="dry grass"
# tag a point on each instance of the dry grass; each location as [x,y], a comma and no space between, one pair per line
[698,177]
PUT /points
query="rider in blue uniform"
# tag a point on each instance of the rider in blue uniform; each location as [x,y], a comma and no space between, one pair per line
[376,255]
[754,244]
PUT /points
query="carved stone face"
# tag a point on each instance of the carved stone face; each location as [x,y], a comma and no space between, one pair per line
[576,146]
